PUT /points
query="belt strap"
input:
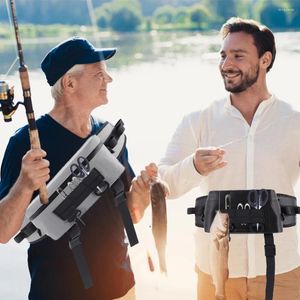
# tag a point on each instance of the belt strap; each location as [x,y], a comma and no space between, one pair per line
[270,252]
[75,246]
[120,201]
[74,233]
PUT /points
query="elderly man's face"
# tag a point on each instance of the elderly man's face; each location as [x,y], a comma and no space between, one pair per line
[92,84]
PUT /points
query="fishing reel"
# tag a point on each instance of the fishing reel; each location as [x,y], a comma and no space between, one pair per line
[7,105]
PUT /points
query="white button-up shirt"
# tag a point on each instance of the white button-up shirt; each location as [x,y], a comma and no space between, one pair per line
[263,155]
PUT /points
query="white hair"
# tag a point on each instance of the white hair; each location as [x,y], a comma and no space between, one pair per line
[57,88]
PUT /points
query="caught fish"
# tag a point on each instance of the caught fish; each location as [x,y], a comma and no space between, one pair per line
[218,253]
[158,193]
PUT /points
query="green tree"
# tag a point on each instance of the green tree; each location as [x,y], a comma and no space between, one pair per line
[103,21]
[125,19]
[103,15]
[295,10]
[221,10]
[273,16]
[120,15]
[244,9]
[51,11]
[200,16]
[181,15]
[164,14]
[149,6]
[296,21]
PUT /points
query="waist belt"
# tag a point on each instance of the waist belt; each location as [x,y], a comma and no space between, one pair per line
[250,211]
[247,209]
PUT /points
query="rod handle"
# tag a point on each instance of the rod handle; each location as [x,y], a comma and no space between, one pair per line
[35,144]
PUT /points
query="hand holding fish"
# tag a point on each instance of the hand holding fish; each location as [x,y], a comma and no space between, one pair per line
[138,196]
[209,159]
[152,172]
[218,253]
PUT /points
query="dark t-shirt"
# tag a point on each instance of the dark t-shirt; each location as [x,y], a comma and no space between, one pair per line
[54,275]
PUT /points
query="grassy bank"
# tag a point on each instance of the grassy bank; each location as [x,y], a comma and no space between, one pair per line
[30,31]
[33,31]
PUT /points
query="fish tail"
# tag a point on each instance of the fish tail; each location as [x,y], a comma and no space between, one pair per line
[150,262]
[163,266]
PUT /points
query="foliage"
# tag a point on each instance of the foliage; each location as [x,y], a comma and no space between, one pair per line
[28,31]
[244,9]
[295,14]
[164,14]
[220,10]
[181,15]
[200,16]
[51,11]
[224,9]
[125,19]
[273,16]
[150,6]
[135,15]
[103,15]
[120,15]
[295,23]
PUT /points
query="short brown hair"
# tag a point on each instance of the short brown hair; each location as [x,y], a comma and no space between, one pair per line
[263,37]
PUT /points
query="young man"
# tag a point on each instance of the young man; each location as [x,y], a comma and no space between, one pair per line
[77,73]
[248,140]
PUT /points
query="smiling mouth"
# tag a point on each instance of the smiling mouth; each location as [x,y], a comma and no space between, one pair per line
[230,75]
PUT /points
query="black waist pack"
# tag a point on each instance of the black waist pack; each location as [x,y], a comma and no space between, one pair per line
[250,211]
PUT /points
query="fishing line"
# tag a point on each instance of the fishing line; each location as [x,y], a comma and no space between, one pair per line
[91,11]
[11,34]
[238,140]
[11,66]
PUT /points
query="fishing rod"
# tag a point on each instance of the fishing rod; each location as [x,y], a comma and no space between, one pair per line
[8,108]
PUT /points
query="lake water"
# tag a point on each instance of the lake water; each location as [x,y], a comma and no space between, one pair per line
[157,79]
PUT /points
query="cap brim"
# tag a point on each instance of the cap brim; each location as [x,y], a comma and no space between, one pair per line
[98,55]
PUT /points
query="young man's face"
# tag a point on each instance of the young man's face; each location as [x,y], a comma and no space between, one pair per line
[239,62]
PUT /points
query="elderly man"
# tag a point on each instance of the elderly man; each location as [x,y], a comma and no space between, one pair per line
[77,73]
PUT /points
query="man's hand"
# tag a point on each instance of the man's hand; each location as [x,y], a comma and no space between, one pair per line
[34,170]
[139,196]
[209,159]
[152,172]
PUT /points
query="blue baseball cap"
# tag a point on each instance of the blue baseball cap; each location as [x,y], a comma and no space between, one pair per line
[71,52]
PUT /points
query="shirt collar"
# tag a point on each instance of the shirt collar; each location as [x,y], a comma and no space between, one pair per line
[262,106]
